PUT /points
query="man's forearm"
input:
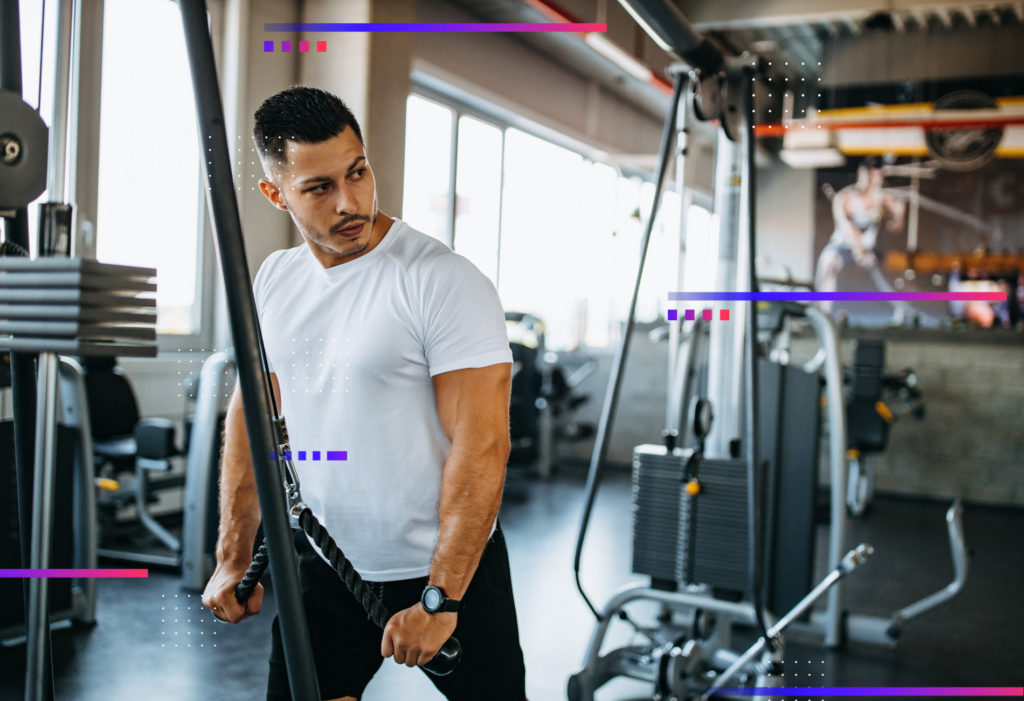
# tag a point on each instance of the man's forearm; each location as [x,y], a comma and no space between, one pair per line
[471,489]
[239,503]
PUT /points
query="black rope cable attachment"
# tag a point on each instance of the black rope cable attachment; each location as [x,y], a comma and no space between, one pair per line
[301,516]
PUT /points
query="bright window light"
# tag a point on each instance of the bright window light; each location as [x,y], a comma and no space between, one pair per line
[426,196]
[149,197]
[478,194]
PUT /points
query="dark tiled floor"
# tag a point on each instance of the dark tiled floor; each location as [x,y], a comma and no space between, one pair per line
[977,640]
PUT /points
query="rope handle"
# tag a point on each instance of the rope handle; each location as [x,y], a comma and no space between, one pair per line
[443,663]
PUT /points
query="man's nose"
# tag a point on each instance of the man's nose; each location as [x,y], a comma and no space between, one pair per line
[346,201]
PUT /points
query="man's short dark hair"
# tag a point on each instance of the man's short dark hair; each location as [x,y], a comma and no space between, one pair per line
[870,162]
[301,114]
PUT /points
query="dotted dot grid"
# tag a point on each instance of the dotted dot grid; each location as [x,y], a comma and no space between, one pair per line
[189,366]
[796,675]
[753,104]
[181,610]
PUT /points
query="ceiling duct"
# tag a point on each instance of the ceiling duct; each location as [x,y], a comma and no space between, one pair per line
[670,30]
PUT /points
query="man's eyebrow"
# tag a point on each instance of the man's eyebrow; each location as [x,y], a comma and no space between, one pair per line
[324,178]
[313,179]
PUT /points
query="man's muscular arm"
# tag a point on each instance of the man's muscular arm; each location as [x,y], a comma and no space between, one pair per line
[239,517]
[473,406]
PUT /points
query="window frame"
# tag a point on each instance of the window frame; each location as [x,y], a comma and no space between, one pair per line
[86,191]
[462,103]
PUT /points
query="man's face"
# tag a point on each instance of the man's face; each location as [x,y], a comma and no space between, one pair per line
[328,189]
[870,178]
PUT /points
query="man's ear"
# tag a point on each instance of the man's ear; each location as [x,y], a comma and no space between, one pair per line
[273,193]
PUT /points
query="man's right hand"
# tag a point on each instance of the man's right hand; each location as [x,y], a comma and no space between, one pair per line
[219,595]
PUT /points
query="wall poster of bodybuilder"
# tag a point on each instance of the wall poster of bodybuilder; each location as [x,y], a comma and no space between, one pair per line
[951,219]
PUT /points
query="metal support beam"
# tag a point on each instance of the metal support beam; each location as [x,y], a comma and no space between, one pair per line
[705,15]
[254,383]
[668,28]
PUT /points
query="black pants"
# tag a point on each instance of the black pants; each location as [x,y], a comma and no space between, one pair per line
[346,644]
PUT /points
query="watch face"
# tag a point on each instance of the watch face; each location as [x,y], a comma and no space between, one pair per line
[432,599]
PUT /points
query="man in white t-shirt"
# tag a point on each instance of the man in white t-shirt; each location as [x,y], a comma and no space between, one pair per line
[391,364]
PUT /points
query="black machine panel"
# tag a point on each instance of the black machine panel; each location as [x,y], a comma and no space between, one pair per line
[704,538]
[12,612]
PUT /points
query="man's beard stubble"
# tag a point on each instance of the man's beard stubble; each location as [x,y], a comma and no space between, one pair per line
[322,241]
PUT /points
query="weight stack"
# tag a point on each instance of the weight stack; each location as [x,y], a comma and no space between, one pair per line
[689,539]
[77,306]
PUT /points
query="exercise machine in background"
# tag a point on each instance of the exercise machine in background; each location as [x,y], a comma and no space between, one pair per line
[544,397]
[876,400]
[724,509]
[98,400]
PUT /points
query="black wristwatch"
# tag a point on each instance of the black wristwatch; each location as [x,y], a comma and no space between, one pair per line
[434,600]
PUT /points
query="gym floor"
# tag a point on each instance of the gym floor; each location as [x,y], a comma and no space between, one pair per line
[155,641]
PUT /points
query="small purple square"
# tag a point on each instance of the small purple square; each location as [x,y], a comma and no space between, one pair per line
[316,454]
[690,315]
[268,47]
[673,314]
[707,315]
[302,455]
[286,46]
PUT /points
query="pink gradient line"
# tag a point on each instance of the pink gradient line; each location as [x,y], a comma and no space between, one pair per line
[67,573]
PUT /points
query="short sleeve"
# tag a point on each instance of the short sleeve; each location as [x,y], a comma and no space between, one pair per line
[259,293]
[463,321]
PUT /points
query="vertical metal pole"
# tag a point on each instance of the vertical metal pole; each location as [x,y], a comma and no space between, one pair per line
[55,176]
[501,215]
[915,208]
[216,160]
[37,669]
[611,399]
[23,373]
[453,182]
[724,363]
[38,672]
[673,403]
[748,233]
[828,337]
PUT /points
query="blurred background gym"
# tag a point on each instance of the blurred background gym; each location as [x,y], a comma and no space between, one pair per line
[536,155]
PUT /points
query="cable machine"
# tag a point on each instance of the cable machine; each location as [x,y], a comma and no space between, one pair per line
[690,503]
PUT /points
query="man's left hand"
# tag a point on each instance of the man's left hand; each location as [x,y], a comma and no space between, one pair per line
[414,636]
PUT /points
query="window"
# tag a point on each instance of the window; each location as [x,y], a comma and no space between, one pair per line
[150,209]
[558,233]
[426,192]
[478,194]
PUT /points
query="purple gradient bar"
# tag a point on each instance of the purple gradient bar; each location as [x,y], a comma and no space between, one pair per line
[673,314]
[435,27]
[337,455]
[837,296]
[268,47]
[691,314]
[67,573]
[884,691]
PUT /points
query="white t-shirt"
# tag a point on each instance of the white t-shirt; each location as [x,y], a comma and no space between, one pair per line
[354,348]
